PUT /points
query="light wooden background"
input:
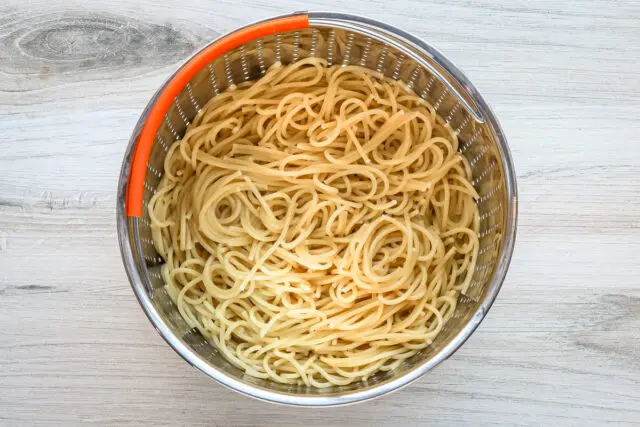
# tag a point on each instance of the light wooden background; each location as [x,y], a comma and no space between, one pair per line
[561,346]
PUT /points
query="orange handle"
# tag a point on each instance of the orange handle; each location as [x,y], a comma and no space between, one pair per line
[135,187]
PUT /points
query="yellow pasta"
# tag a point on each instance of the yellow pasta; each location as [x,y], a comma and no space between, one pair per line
[317,224]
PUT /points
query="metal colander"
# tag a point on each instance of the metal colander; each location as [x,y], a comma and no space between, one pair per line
[341,39]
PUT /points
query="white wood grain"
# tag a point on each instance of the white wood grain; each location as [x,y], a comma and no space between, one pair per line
[561,346]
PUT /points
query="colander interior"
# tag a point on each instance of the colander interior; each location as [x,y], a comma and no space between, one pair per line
[376,47]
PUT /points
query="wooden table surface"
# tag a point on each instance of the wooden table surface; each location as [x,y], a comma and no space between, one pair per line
[561,346]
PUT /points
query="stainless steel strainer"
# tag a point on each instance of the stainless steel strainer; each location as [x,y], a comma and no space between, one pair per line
[341,39]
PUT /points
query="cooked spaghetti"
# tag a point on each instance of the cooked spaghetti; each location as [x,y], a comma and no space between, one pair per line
[317,224]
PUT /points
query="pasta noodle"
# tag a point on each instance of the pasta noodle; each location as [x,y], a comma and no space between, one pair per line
[317,224]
